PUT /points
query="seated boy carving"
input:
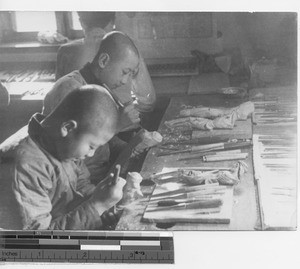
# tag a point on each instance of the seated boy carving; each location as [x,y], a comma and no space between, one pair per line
[50,181]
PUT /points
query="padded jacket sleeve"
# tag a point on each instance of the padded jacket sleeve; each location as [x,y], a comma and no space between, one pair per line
[32,185]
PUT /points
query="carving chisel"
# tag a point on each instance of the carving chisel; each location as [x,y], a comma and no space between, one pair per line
[196,205]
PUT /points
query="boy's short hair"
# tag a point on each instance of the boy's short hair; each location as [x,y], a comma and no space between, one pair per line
[92,19]
[115,44]
[91,106]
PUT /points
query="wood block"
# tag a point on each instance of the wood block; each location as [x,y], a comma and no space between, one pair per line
[241,130]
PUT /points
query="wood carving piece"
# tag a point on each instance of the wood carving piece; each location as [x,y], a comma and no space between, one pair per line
[150,139]
[225,122]
[243,111]
[226,177]
[132,189]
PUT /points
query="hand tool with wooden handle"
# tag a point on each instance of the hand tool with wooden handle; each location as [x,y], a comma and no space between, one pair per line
[217,158]
[171,202]
[196,205]
[200,155]
[186,195]
[209,147]
[189,189]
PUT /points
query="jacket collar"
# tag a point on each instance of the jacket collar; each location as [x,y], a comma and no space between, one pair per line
[35,130]
[88,75]
[38,134]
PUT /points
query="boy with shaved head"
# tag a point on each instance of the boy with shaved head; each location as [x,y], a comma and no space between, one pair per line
[114,65]
[116,62]
[49,179]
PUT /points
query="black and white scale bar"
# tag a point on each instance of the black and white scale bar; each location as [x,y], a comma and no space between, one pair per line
[66,246]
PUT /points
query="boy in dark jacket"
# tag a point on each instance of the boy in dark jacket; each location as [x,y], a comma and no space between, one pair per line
[49,178]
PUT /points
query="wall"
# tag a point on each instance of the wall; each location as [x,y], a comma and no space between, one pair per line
[260,34]
[170,34]
[272,34]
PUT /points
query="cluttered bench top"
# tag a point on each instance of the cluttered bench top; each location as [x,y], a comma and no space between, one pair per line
[179,151]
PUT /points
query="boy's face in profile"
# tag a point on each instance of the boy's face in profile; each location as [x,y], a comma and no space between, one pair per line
[79,145]
[117,72]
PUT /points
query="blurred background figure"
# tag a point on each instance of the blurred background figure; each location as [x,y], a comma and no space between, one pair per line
[74,55]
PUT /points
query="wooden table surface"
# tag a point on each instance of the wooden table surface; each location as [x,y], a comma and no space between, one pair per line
[245,214]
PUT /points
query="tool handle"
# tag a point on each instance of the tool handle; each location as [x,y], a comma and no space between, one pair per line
[170,202]
[171,152]
[234,145]
[203,204]
[117,174]
[208,147]
[216,158]
[206,153]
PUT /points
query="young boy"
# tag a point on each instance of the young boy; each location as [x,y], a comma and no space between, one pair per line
[116,61]
[49,179]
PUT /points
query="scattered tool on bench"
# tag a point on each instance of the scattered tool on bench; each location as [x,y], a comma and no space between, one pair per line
[209,147]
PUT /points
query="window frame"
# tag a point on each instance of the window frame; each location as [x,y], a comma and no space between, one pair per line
[63,23]
[70,31]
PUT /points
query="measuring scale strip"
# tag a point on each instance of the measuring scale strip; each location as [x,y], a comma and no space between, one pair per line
[45,246]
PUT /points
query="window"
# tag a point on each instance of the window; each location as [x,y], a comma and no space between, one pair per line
[34,21]
[23,26]
[75,24]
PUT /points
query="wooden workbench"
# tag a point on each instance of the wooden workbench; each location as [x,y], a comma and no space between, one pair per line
[244,215]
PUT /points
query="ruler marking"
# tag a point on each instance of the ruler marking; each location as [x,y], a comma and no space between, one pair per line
[131,248]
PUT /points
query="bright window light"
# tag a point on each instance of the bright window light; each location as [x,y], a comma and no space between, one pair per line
[75,21]
[35,21]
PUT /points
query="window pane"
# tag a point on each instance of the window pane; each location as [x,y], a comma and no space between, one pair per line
[35,21]
[75,21]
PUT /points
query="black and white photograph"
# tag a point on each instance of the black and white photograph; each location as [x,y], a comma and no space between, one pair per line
[156,121]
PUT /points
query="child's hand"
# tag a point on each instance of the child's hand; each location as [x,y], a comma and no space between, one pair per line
[109,191]
[130,118]
[110,218]
[136,152]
